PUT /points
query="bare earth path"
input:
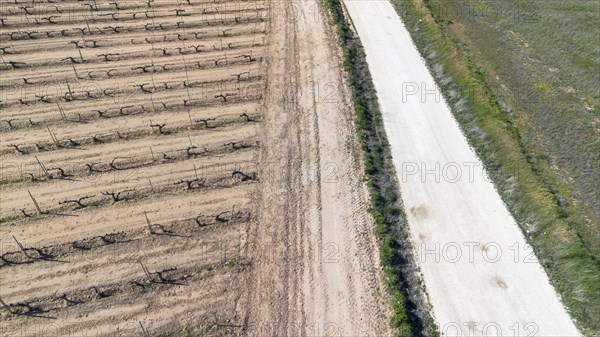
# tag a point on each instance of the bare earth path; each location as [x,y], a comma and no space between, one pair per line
[175,168]
[480,277]
[316,260]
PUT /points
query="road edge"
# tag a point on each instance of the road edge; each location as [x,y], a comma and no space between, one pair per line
[411,310]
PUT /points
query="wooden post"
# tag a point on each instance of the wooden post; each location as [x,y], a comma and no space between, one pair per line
[43,167]
[62,112]
[52,136]
[195,171]
[69,87]
[21,247]
[146,271]
[187,78]
[152,101]
[35,203]
[148,223]
[76,75]
[146,334]
[153,90]
[6,306]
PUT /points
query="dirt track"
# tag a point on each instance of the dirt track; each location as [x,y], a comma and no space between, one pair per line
[317,262]
[244,214]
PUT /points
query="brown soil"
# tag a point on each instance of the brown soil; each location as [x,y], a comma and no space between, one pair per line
[182,188]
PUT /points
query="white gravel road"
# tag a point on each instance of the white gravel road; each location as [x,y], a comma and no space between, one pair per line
[481,278]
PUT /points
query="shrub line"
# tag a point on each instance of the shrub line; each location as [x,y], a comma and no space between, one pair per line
[411,315]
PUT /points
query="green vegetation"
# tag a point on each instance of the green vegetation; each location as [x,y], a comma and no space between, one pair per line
[410,316]
[519,84]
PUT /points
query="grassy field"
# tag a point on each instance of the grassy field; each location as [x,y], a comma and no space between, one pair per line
[522,80]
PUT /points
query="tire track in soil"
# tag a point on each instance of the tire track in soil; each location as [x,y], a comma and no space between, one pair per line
[294,290]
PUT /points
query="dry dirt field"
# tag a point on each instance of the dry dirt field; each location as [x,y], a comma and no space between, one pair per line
[180,168]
